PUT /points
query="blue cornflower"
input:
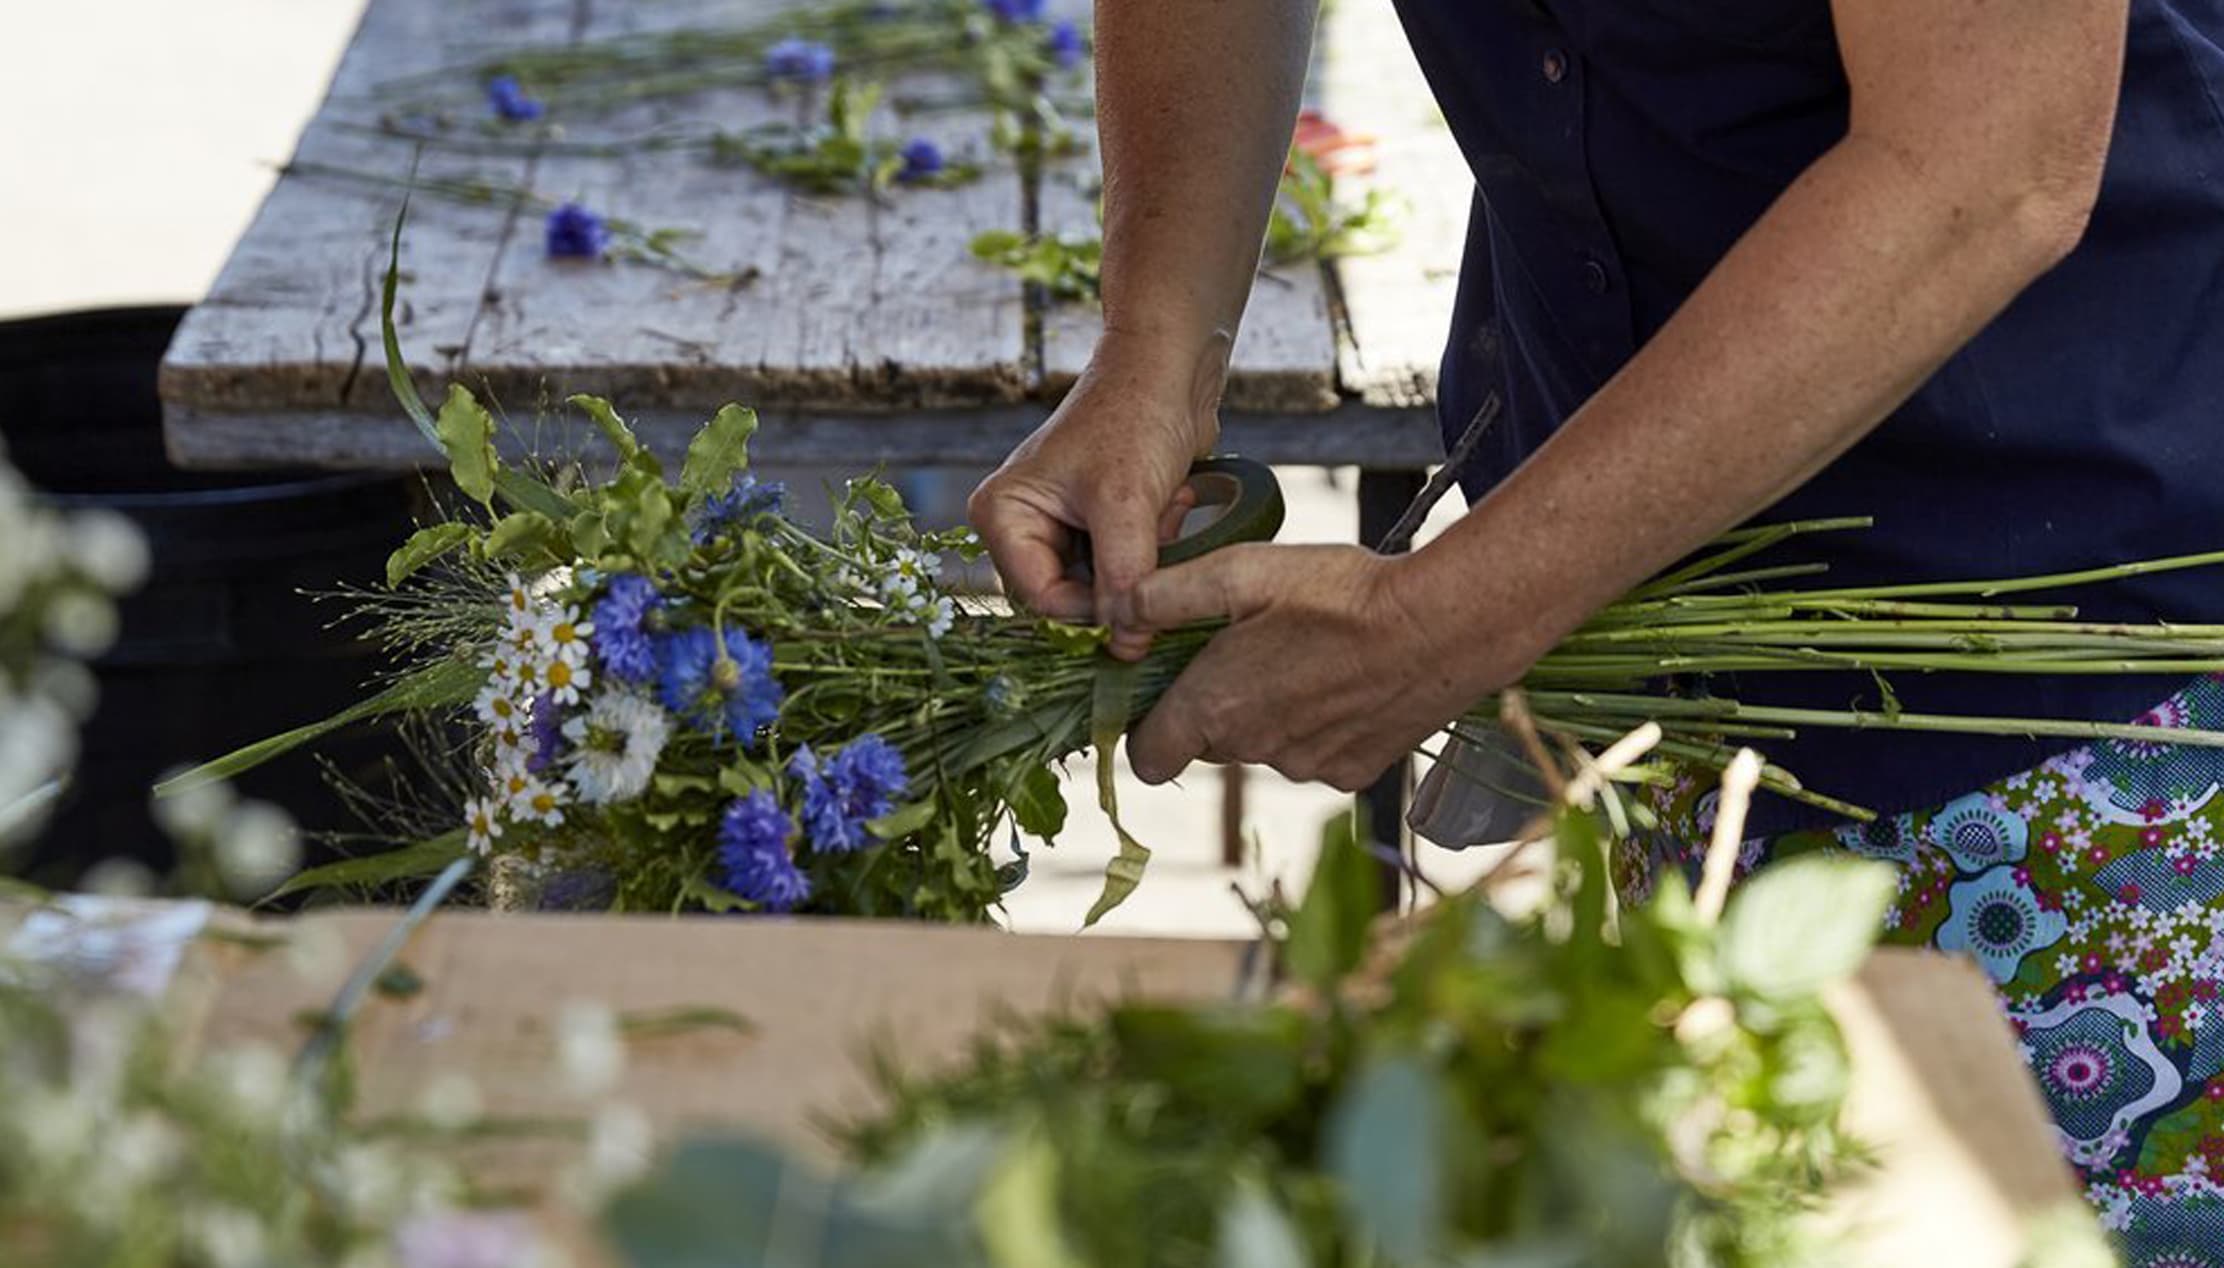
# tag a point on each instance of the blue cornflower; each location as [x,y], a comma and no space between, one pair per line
[798,58]
[748,499]
[509,101]
[1066,45]
[545,733]
[922,160]
[575,231]
[622,636]
[718,692]
[753,853]
[841,795]
[1016,10]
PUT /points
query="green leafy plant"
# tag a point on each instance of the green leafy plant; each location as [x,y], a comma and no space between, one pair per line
[1309,224]
[838,156]
[1575,1086]
[1064,265]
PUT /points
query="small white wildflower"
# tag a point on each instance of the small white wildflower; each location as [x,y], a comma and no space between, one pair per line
[37,743]
[253,1078]
[144,1149]
[256,847]
[317,954]
[614,746]
[451,1102]
[108,549]
[193,810]
[620,1146]
[537,801]
[562,636]
[498,706]
[79,622]
[943,614]
[482,823]
[908,573]
[68,684]
[369,1181]
[590,1052]
[227,1236]
[565,680]
[118,878]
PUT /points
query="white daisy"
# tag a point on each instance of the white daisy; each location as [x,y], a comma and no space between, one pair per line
[498,707]
[482,821]
[909,573]
[942,615]
[565,680]
[536,800]
[614,746]
[562,636]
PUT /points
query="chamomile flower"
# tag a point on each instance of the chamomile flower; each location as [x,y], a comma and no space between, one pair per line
[936,612]
[614,746]
[536,800]
[909,573]
[498,707]
[482,823]
[518,600]
[560,635]
[565,679]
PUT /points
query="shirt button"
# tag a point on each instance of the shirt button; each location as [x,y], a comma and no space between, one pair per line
[1595,279]
[1555,66]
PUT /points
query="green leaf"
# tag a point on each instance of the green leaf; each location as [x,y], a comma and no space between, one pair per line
[1018,1210]
[715,900]
[524,533]
[683,1019]
[1385,1150]
[718,451]
[606,418]
[424,546]
[995,244]
[1328,931]
[443,683]
[902,822]
[467,437]
[1074,640]
[1108,709]
[1243,1066]
[1255,1233]
[1804,923]
[528,492]
[411,862]
[1038,805]
[397,370]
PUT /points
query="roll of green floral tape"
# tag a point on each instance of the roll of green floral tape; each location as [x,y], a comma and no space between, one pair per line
[1252,496]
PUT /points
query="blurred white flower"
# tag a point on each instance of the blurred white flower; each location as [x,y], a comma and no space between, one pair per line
[143,1150]
[108,549]
[253,1078]
[317,954]
[56,1125]
[227,1236]
[37,744]
[620,1146]
[471,1239]
[257,846]
[118,878]
[590,1051]
[193,811]
[369,1182]
[68,684]
[79,622]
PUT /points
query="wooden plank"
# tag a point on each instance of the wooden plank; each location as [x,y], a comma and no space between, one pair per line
[837,302]
[292,320]
[1352,434]
[1284,358]
[1397,305]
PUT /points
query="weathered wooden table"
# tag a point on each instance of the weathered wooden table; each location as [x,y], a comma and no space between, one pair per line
[862,330]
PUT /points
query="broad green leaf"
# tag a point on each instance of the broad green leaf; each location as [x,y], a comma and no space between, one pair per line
[714,899]
[527,492]
[1385,1150]
[902,822]
[1038,805]
[411,862]
[606,418]
[1108,710]
[444,683]
[424,546]
[993,244]
[1804,923]
[718,451]
[1328,931]
[1256,1233]
[524,533]
[467,437]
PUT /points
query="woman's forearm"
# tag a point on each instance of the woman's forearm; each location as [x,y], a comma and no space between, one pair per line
[1850,292]
[1195,102]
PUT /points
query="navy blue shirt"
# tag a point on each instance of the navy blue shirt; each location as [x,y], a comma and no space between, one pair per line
[1620,147]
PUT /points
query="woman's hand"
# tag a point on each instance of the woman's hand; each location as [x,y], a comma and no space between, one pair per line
[1112,461]
[1331,667]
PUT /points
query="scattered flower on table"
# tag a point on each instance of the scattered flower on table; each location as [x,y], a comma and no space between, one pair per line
[1067,46]
[509,101]
[753,854]
[577,233]
[1016,11]
[795,58]
[922,160]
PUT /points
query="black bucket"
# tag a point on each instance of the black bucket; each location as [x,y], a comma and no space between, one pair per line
[222,646]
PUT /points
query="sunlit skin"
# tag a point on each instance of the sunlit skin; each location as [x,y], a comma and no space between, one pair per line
[1978,134]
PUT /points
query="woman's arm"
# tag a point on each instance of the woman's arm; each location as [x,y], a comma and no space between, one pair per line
[1978,133]
[1195,102]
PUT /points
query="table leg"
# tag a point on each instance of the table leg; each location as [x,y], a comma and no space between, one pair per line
[1383,497]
